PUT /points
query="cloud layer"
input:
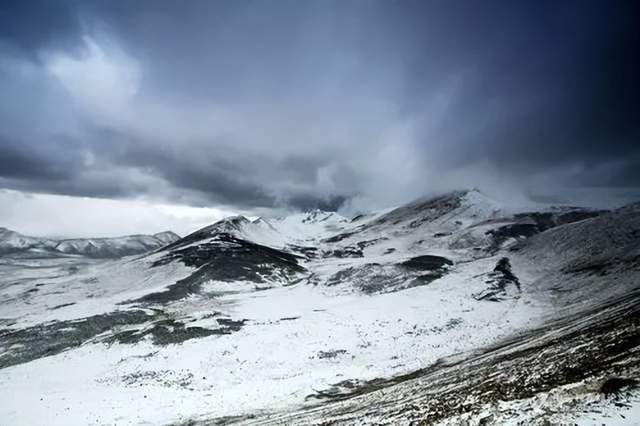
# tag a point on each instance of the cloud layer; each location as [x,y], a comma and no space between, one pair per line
[262,104]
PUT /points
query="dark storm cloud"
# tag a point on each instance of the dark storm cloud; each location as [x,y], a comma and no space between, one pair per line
[307,202]
[29,26]
[17,162]
[193,167]
[58,158]
[547,82]
[264,103]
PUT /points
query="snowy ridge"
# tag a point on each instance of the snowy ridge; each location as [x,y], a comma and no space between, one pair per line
[14,243]
[280,232]
[310,226]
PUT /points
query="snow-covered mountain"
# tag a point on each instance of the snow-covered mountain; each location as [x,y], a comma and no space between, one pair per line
[13,243]
[447,310]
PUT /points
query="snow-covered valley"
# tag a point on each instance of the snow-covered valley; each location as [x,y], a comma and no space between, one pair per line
[446,310]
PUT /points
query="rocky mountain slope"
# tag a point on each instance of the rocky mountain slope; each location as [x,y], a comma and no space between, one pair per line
[449,310]
[15,244]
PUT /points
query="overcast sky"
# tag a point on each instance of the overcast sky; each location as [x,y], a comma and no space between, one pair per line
[211,107]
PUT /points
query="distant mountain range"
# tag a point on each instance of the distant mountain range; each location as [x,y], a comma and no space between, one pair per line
[14,243]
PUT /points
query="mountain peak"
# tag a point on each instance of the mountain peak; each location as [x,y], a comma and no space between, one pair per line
[316,215]
[167,237]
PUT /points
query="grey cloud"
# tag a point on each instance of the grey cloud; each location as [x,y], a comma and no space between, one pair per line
[29,27]
[55,159]
[309,202]
[542,83]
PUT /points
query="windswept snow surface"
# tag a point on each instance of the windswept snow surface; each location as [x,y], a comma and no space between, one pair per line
[312,318]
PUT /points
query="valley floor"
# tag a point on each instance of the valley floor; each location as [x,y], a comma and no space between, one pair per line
[297,345]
